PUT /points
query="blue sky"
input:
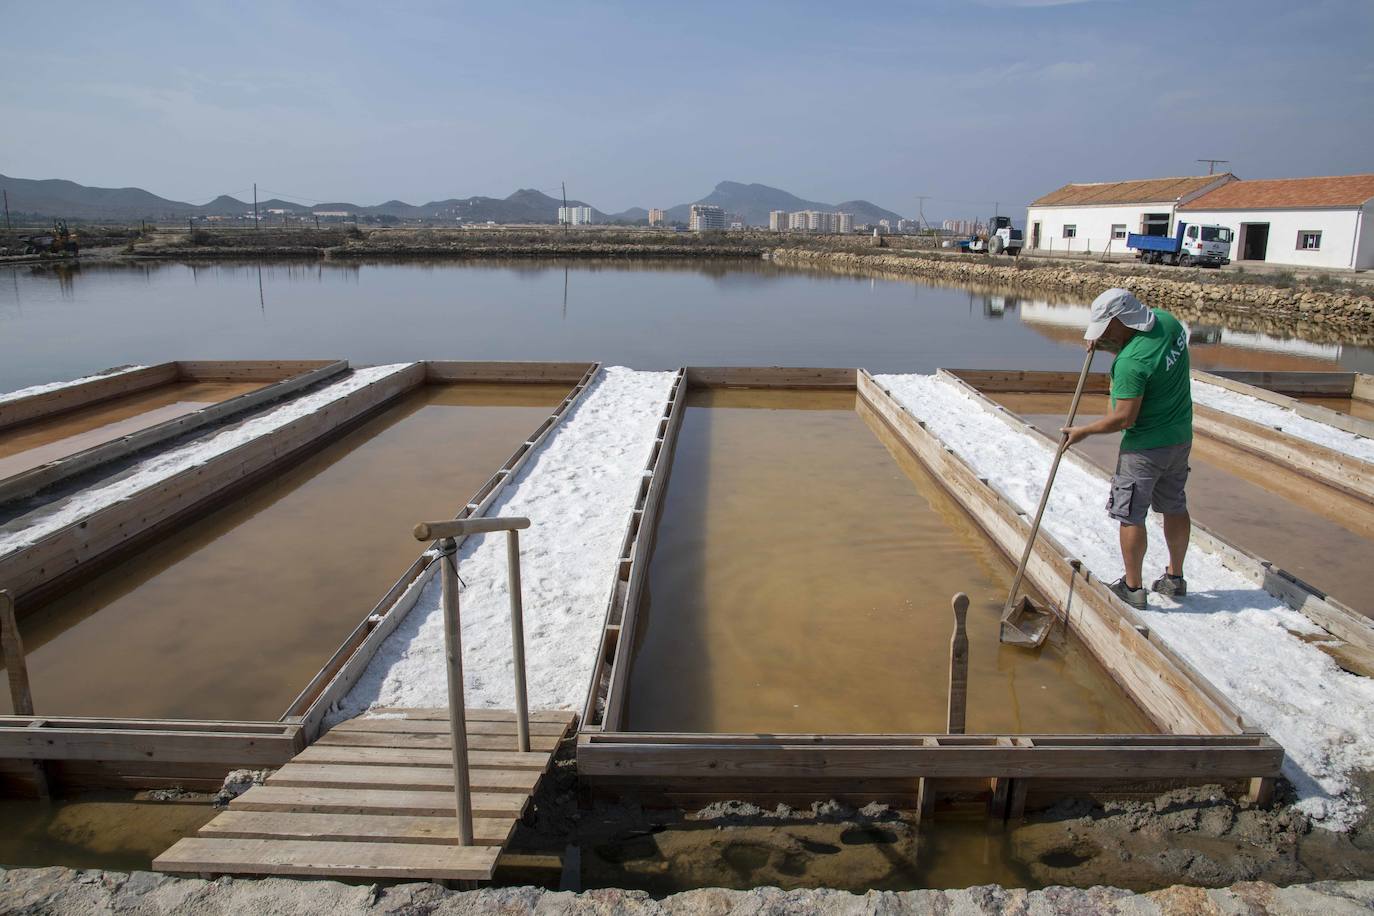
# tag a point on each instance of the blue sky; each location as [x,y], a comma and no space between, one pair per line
[650,104]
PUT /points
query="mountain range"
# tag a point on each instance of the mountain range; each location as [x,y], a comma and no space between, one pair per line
[50,198]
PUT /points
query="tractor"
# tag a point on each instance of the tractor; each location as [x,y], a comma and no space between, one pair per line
[998,238]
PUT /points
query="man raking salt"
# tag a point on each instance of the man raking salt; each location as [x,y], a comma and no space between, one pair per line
[1151,401]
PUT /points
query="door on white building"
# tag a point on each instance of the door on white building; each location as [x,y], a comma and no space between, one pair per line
[1254,241]
[1154,224]
[1035,235]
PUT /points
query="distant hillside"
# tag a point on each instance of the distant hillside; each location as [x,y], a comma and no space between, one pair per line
[57,198]
[755,201]
[69,200]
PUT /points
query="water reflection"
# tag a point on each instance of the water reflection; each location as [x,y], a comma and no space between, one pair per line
[650,314]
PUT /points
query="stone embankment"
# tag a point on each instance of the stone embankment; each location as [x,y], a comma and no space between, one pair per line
[62,891]
[398,244]
[1183,287]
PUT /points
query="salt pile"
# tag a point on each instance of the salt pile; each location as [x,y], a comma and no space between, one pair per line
[54,386]
[579,490]
[1252,408]
[160,466]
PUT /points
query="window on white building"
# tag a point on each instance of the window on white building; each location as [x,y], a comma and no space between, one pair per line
[1309,240]
[1118,230]
[1070,231]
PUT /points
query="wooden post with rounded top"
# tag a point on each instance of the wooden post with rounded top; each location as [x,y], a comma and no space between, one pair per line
[958,667]
[21,698]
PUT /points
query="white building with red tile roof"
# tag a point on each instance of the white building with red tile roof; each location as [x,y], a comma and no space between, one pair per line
[1091,217]
[1299,222]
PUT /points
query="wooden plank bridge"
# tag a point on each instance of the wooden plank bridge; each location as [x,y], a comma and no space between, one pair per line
[374,798]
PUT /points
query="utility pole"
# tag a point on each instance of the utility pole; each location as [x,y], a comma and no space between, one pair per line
[7,211]
[563,217]
[921,206]
[255,206]
[1213,163]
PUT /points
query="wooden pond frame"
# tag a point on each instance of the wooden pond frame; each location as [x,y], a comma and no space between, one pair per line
[1351,628]
[71,554]
[1204,739]
[333,682]
[284,378]
[99,753]
[1286,388]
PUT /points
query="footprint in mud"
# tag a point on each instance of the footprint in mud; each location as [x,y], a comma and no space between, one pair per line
[1066,857]
[745,858]
[867,836]
[815,847]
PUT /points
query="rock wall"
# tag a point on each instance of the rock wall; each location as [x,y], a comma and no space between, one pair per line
[62,891]
[1182,287]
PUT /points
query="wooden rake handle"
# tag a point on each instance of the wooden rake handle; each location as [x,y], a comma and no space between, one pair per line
[1045,494]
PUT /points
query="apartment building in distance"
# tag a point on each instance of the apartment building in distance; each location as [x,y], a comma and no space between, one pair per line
[575,216]
[705,217]
[820,222]
[777,220]
[656,217]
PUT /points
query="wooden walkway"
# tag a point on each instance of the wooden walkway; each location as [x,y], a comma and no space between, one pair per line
[373,798]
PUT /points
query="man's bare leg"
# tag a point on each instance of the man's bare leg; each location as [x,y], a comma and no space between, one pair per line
[1178,528]
[1134,541]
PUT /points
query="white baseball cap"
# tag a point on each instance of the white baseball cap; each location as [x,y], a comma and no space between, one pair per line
[1118,303]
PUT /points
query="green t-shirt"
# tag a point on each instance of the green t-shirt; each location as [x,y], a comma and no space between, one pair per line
[1153,366]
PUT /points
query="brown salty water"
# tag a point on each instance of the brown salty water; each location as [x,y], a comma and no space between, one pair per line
[230,617]
[32,444]
[123,831]
[1355,407]
[801,582]
[1319,534]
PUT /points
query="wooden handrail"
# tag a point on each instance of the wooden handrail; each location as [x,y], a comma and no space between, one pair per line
[446,532]
[458,527]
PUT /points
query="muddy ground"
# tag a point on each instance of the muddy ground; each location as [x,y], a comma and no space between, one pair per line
[1191,836]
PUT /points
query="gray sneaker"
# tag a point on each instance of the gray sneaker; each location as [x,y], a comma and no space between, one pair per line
[1135,597]
[1171,585]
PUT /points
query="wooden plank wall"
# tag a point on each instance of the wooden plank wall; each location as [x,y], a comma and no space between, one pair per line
[36,479]
[1328,466]
[333,682]
[1363,389]
[76,551]
[1288,384]
[768,377]
[61,400]
[1006,773]
[246,370]
[605,705]
[512,372]
[92,753]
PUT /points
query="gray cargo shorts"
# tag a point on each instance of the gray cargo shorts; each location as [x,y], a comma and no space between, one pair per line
[1152,477]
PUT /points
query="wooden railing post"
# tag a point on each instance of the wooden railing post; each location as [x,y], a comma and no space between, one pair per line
[517,640]
[958,667]
[447,532]
[21,698]
[457,712]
